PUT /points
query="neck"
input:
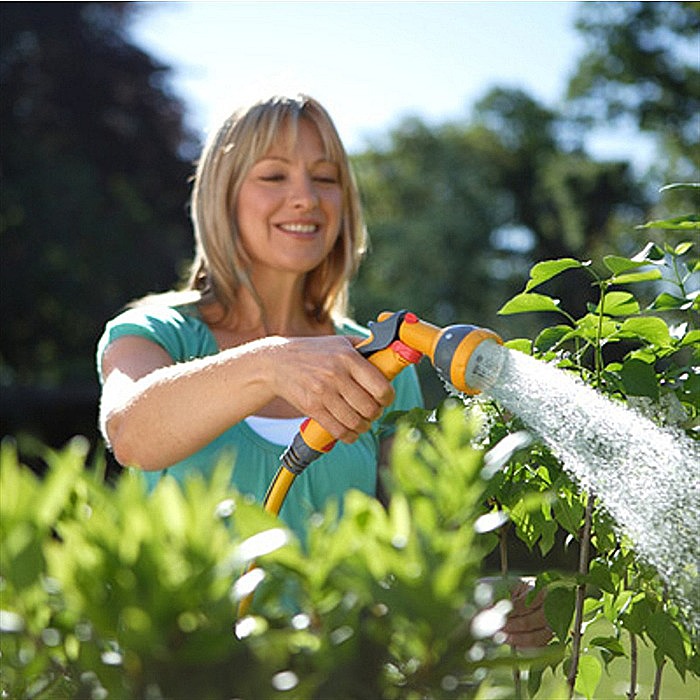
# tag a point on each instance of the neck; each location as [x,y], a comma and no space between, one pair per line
[283,311]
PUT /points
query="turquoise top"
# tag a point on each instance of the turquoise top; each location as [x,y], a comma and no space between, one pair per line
[182,333]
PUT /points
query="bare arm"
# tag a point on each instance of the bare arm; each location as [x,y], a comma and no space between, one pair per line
[155,412]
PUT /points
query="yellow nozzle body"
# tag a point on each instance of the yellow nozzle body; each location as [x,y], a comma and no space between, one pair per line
[453,351]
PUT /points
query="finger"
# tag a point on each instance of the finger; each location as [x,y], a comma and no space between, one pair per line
[523,623]
[364,404]
[336,428]
[373,381]
[533,639]
[342,419]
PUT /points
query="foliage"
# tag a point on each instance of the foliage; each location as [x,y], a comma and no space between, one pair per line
[641,65]
[643,349]
[112,593]
[92,208]
[467,207]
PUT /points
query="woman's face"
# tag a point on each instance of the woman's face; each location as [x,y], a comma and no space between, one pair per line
[289,206]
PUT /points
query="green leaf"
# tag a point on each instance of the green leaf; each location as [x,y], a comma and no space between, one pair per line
[691,338]
[669,302]
[588,676]
[549,337]
[559,610]
[636,617]
[568,514]
[668,639]
[609,648]
[619,304]
[683,247]
[689,222]
[639,379]
[653,330]
[523,345]
[633,277]
[599,575]
[525,303]
[617,264]
[547,269]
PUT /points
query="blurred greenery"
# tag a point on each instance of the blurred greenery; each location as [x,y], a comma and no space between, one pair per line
[110,592]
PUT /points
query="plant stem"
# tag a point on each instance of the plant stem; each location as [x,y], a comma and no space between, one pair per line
[584,554]
[656,694]
[632,694]
[503,548]
[503,555]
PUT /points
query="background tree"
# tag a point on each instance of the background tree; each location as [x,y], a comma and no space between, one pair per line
[459,212]
[92,209]
[641,68]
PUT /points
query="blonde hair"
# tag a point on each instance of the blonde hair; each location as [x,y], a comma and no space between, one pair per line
[220,265]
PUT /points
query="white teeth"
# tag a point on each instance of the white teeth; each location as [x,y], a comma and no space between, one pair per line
[299,228]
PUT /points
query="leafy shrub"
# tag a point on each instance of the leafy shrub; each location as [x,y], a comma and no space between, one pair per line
[107,592]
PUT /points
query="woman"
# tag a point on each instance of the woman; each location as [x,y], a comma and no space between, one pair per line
[259,338]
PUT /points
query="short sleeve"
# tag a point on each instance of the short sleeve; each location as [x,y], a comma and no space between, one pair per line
[183,336]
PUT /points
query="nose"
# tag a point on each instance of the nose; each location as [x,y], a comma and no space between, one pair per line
[304,195]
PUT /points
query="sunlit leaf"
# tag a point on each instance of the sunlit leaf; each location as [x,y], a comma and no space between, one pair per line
[617,264]
[619,304]
[523,345]
[525,303]
[550,337]
[589,674]
[690,222]
[653,330]
[691,337]
[669,302]
[632,277]
[683,247]
[547,269]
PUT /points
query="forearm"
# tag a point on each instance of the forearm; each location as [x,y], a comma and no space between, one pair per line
[158,419]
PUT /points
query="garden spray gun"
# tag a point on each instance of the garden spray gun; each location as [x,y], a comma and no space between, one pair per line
[463,355]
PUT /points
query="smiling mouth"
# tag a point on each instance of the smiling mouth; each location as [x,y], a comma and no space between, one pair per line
[300,228]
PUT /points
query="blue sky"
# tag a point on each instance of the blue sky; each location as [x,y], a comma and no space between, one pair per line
[370,63]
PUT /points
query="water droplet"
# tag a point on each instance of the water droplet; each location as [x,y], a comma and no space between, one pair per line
[491,521]
[261,543]
[644,475]
[285,680]
[10,622]
[247,583]
[225,509]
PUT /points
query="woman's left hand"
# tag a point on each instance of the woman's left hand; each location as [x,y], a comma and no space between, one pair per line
[526,625]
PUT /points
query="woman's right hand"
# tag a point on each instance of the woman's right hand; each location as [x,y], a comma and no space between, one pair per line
[325,378]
